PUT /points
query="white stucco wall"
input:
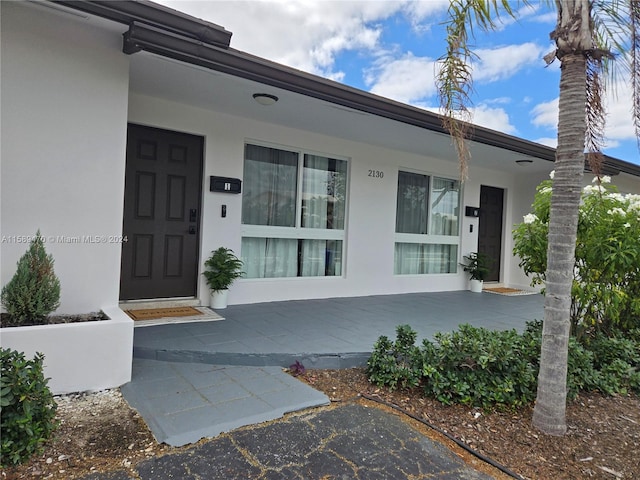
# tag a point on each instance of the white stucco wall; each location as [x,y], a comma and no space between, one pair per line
[369,250]
[64,119]
[79,357]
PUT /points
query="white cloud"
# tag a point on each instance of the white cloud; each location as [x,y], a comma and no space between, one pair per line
[619,124]
[305,34]
[546,114]
[548,141]
[523,13]
[549,17]
[494,118]
[497,101]
[407,79]
[504,62]
[619,117]
[419,13]
[411,78]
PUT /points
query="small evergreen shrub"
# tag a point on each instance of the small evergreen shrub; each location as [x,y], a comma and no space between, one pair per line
[27,407]
[34,291]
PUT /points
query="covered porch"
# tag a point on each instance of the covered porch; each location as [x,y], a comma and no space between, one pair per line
[194,380]
[328,333]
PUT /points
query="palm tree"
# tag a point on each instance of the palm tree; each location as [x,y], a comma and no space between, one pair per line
[587,34]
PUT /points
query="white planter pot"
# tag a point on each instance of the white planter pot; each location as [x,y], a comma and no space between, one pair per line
[476,286]
[78,357]
[219,299]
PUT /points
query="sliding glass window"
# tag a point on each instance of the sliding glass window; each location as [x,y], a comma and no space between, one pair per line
[427,224]
[293,213]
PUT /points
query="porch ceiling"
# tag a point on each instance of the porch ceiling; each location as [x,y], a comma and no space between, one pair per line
[172,80]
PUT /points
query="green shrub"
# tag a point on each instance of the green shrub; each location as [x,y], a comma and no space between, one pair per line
[606,284]
[34,291]
[27,407]
[397,364]
[616,360]
[485,368]
[480,367]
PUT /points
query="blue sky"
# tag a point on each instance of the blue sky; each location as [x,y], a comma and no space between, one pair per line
[390,48]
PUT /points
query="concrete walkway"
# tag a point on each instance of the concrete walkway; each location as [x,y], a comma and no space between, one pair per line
[184,402]
[197,380]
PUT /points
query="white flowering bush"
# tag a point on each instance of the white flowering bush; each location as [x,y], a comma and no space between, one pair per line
[606,287]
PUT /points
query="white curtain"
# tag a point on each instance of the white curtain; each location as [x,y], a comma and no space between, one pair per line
[445,200]
[323,192]
[314,253]
[321,258]
[270,257]
[420,258]
[270,198]
[412,206]
[270,187]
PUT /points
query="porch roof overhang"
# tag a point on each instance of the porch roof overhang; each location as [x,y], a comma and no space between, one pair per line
[150,13]
[171,34]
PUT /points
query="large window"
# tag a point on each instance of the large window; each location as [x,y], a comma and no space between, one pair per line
[293,213]
[427,224]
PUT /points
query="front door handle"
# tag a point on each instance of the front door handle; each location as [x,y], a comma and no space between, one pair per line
[192,229]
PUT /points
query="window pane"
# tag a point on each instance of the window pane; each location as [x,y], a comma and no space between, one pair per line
[324,187]
[445,200]
[419,258]
[320,258]
[270,257]
[270,185]
[412,206]
[284,257]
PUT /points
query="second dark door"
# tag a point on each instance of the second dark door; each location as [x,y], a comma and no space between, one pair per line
[161,214]
[490,229]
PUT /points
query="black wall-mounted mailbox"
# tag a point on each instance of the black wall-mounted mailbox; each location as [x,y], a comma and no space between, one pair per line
[225,185]
[471,211]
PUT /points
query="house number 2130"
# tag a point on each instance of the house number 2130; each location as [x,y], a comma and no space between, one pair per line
[376,174]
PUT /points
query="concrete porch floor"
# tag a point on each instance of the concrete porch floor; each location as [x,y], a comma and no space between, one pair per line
[197,380]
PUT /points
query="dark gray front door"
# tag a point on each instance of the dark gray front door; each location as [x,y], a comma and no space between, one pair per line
[490,228]
[161,214]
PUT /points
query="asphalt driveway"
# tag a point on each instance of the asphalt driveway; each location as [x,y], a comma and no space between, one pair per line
[351,441]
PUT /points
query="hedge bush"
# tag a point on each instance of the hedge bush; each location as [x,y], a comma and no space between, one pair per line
[485,368]
[27,407]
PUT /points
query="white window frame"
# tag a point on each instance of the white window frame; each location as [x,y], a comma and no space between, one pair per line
[428,238]
[298,232]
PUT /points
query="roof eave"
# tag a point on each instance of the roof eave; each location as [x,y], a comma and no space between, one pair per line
[146,12]
[175,35]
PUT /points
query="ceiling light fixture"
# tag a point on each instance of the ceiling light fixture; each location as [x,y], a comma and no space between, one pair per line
[265,98]
[524,162]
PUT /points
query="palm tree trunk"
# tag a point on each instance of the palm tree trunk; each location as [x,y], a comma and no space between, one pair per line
[550,408]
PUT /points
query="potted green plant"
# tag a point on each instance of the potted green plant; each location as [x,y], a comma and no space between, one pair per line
[477,267]
[222,268]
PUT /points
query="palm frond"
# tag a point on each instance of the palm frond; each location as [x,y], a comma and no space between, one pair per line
[616,29]
[635,64]
[596,116]
[454,78]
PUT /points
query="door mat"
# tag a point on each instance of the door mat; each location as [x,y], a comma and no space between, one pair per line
[507,291]
[160,316]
